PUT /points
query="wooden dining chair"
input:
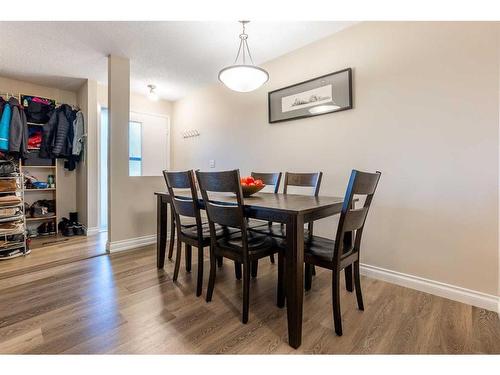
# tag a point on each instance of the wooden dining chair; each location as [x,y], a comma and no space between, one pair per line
[303,180]
[343,252]
[242,247]
[191,230]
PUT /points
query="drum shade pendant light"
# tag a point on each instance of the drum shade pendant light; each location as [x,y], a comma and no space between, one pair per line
[242,76]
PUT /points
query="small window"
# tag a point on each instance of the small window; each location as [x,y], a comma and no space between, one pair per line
[135,149]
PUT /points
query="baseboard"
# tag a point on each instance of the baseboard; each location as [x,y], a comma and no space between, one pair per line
[92,231]
[131,243]
[456,293]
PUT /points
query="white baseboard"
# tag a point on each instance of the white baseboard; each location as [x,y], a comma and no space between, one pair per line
[456,293]
[131,243]
[92,231]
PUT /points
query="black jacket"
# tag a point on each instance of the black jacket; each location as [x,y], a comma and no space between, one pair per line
[18,132]
[57,139]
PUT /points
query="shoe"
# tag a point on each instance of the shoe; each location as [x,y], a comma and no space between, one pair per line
[63,224]
[69,231]
[51,227]
[78,229]
[43,229]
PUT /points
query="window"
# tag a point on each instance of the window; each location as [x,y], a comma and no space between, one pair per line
[135,148]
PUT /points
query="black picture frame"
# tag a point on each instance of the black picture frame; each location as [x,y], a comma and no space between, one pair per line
[344,98]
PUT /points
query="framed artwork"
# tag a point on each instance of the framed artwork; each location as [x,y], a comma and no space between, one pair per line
[318,96]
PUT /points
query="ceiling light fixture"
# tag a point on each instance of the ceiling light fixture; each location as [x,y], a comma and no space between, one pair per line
[152,95]
[240,76]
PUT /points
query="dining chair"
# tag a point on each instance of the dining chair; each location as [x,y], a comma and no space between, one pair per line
[302,180]
[191,230]
[343,252]
[242,247]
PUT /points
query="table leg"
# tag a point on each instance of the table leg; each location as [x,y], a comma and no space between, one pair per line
[295,278]
[161,231]
[172,234]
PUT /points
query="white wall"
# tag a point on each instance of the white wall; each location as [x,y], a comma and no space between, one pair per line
[137,193]
[426,113]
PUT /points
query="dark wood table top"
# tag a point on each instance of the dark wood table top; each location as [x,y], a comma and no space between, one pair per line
[286,203]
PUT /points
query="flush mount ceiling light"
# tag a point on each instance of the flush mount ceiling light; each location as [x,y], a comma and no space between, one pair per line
[241,76]
[152,95]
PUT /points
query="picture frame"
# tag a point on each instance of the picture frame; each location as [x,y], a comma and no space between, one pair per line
[315,97]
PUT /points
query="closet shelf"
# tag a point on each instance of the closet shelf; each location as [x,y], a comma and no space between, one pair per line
[41,218]
[47,189]
[39,166]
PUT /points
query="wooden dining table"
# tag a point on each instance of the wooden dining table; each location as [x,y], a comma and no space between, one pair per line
[289,209]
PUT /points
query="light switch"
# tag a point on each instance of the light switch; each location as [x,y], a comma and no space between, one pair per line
[211,163]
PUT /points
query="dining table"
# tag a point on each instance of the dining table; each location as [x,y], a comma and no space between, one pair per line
[292,210]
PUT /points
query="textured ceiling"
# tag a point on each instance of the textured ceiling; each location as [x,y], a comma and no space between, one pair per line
[175,56]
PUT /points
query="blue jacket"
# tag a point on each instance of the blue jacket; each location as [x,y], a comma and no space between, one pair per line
[5,128]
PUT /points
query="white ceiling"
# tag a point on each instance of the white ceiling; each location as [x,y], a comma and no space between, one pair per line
[175,56]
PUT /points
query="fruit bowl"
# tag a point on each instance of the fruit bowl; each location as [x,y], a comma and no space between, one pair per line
[250,186]
[249,190]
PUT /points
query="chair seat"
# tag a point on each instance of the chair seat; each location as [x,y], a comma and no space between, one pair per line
[320,247]
[192,231]
[258,244]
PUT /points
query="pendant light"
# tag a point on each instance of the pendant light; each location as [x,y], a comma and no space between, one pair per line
[241,76]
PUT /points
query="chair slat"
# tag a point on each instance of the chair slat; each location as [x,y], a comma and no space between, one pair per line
[354,219]
[223,182]
[225,215]
[184,207]
[365,183]
[269,179]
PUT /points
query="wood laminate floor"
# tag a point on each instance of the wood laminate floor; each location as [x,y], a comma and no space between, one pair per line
[54,250]
[123,304]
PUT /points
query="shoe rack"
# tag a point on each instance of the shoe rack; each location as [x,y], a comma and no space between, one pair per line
[14,248]
[41,172]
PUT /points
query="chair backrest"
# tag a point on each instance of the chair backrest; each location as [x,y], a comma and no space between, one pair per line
[312,180]
[187,204]
[228,214]
[353,219]
[273,179]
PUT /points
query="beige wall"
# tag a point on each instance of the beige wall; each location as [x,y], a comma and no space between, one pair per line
[426,113]
[66,188]
[135,215]
[86,178]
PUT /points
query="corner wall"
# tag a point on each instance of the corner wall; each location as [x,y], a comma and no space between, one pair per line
[138,226]
[426,113]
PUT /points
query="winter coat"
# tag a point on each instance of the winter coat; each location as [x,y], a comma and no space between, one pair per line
[78,133]
[4,127]
[48,137]
[63,142]
[58,135]
[18,131]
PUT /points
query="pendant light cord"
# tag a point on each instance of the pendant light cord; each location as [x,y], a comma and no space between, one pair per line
[243,46]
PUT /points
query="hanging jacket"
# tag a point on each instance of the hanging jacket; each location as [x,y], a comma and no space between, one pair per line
[18,131]
[4,127]
[63,141]
[2,104]
[48,137]
[78,130]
